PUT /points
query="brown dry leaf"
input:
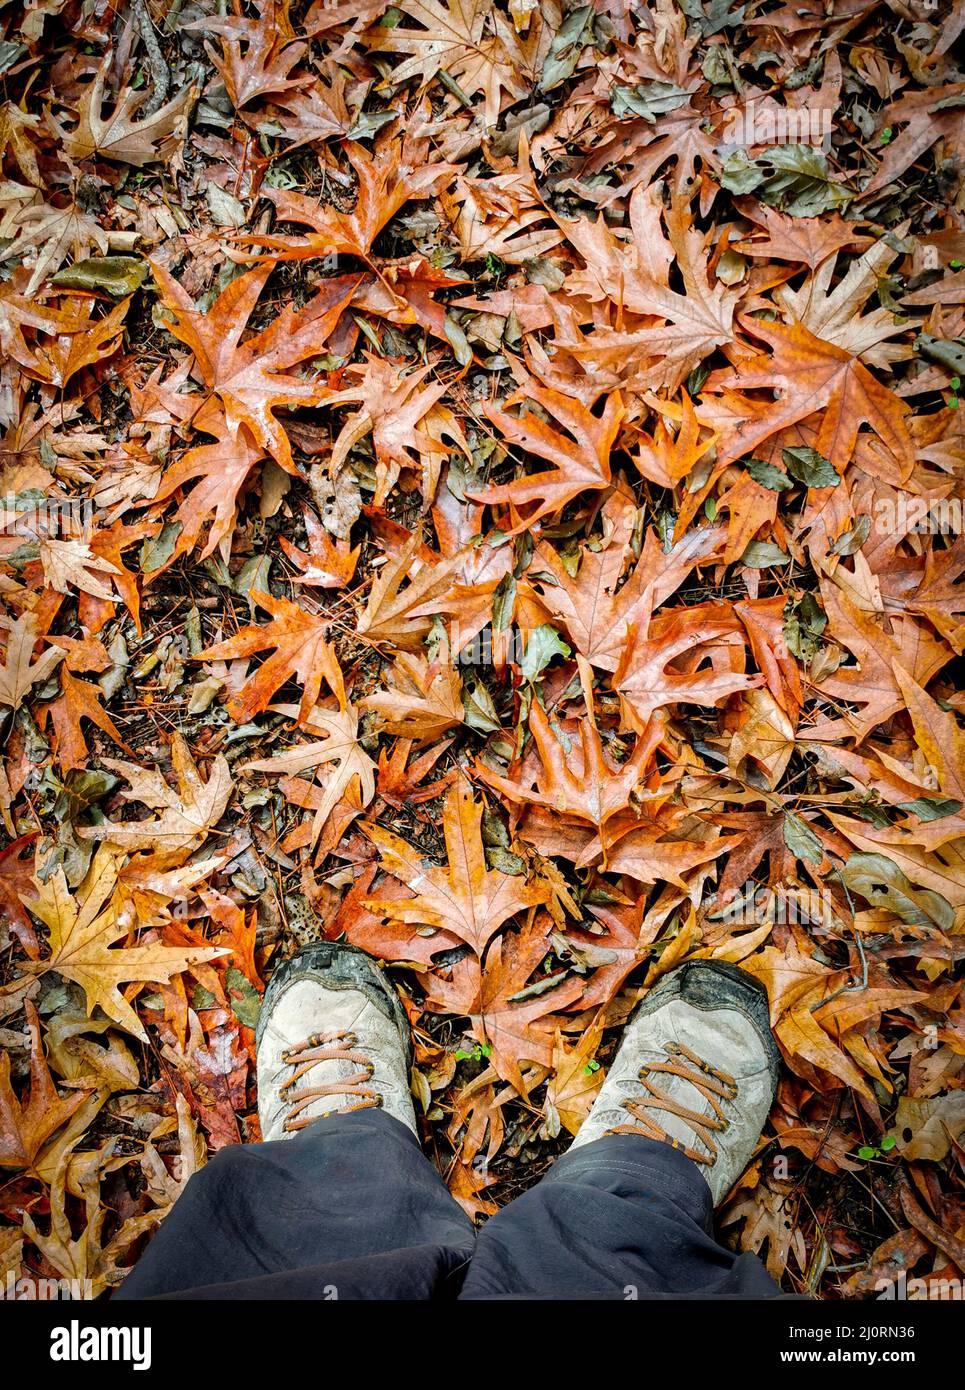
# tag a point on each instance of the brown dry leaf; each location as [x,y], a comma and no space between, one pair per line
[689,326]
[14,124]
[765,735]
[596,608]
[650,676]
[386,179]
[219,473]
[423,700]
[188,814]
[575,1080]
[83,929]
[250,377]
[353,771]
[582,781]
[454,36]
[943,748]
[391,408]
[327,564]
[811,377]
[269,53]
[69,563]
[19,672]
[392,612]
[300,651]
[804,240]
[512,1015]
[630,434]
[770,1216]
[120,136]
[86,342]
[77,700]
[53,234]
[872,685]
[580,458]
[25,1128]
[86,1259]
[465,898]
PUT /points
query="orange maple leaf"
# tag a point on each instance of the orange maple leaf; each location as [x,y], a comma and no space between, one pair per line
[301,651]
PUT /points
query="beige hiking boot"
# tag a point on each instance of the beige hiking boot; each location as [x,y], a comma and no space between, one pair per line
[332,1037]
[697,1069]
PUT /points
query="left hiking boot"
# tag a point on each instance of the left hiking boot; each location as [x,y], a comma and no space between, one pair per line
[332,1037]
[697,1069]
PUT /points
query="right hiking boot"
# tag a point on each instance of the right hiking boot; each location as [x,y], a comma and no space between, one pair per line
[697,1069]
[332,1037]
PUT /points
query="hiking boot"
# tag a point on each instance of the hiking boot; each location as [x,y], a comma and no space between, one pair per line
[697,1069]
[332,1037]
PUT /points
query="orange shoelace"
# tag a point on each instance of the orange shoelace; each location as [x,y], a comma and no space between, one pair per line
[327,1047]
[713,1085]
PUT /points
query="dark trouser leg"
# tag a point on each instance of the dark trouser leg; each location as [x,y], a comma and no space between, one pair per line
[349,1208]
[624,1216]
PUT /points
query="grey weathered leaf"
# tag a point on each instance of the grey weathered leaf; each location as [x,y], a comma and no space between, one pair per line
[801,839]
[880,882]
[543,644]
[117,276]
[852,540]
[810,467]
[794,178]
[761,555]
[767,475]
[931,808]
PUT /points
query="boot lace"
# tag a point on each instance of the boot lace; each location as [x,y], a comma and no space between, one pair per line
[336,1046]
[714,1085]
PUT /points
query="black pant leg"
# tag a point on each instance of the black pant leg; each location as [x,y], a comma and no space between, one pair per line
[348,1208]
[625,1217]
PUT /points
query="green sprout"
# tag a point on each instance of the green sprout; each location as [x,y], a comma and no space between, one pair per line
[884,1146]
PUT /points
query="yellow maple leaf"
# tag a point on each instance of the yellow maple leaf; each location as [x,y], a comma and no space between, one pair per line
[82,931]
